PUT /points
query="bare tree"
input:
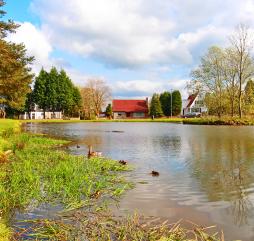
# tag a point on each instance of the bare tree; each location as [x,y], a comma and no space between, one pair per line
[88,106]
[241,42]
[232,85]
[209,78]
[95,95]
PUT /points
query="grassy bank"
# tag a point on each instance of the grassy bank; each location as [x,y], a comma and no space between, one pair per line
[235,121]
[35,170]
[173,120]
[192,121]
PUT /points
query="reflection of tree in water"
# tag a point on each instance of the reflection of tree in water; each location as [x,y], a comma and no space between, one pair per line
[224,168]
[172,144]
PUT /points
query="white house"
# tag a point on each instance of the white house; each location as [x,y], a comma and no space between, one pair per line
[38,114]
[194,104]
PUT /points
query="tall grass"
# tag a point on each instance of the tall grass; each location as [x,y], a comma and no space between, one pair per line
[37,171]
[102,226]
[39,174]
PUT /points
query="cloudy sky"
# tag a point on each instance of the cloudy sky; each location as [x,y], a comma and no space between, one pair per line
[137,46]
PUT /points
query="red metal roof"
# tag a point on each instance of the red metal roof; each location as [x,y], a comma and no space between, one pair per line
[130,106]
[191,99]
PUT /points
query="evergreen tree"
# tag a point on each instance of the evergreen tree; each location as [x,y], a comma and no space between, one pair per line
[155,106]
[165,100]
[55,91]
[15,71]
[176,103]
[249,97]
[6,27]
[40,95]
[76,104]
[109,111]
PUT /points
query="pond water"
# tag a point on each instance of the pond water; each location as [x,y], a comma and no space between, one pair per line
[206,172]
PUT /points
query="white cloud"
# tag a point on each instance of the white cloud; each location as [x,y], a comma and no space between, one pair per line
[36,42]
[145,88]
[139,35]
[138,32]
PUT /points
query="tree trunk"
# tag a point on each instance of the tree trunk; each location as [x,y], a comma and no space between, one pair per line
[232,109]
[240,100]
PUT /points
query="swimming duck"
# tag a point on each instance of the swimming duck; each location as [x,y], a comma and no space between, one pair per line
[123,162]
[155,173]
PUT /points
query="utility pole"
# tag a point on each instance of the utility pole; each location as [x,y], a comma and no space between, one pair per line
[171,103]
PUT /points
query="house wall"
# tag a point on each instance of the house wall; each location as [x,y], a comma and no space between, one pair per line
[39,115]
[134,115]
[197,106]
[119,115]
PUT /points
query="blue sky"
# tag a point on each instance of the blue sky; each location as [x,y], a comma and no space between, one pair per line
[137,46]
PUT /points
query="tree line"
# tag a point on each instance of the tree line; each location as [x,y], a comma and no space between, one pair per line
[224,76]
[54,91]
[161,104]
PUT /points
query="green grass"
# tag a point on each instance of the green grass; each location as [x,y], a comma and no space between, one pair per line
[173,120]
[36,172]
[235,121]
[103,226]
[40,174]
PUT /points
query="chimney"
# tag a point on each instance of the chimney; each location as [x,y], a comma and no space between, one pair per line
[147,102]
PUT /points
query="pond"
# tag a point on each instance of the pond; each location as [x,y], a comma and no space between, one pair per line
[206,172]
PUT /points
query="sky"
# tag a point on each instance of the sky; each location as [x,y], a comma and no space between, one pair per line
[137,46]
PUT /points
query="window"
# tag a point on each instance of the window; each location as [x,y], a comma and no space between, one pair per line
[139,114]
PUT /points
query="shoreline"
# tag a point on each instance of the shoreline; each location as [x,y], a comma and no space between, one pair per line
[212,121]
[35,171]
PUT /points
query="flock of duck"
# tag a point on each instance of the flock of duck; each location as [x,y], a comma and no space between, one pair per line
[92,153]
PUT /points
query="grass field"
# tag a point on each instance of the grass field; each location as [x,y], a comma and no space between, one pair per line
[235,121]
[174,120]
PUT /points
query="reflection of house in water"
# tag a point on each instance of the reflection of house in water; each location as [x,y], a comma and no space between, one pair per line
[38,114]
[194,104]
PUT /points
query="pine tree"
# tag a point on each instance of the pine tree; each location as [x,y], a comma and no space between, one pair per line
[249,97]
[165,100]
[155,107]
[176,103]
[109,111]
[55,91]
[15,71]
[40,95]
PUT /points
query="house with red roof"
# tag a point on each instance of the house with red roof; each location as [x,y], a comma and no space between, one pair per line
[194,105]
[123,109]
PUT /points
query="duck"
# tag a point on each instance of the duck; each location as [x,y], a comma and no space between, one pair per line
[123,162]
[78,146]
[155,173]
[93,153]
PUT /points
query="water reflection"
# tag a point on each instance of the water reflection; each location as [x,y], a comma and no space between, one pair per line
[224,168]
[206,173]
